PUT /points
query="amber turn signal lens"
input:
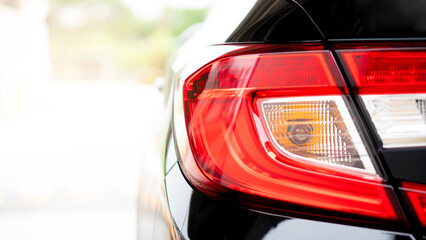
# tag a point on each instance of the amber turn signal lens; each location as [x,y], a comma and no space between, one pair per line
[315,129]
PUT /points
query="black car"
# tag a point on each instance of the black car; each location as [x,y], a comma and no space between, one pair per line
[295,119]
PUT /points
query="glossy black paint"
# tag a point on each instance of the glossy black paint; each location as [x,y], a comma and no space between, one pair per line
[278,21]
[406,164]
[275,21]
[199,217]
[367,19]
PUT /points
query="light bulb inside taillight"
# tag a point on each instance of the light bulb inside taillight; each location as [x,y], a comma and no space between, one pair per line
[316,128]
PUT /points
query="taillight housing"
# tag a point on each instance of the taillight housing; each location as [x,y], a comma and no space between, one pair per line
[273,130]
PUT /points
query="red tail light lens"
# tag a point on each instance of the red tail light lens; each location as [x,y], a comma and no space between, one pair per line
[288,160]
[249,72]
[387,71]
[417,195]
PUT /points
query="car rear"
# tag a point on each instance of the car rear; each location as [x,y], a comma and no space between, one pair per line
[307,121]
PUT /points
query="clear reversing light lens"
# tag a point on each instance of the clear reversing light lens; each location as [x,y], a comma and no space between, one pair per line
[400,120]
[316,128]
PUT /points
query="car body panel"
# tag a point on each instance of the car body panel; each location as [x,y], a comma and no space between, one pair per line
[275,21]
[368,19]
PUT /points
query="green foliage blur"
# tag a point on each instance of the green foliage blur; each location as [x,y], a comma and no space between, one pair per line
[104,40]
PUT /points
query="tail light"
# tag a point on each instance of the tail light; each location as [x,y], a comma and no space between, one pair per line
[392,85]
[273,130]
[417,196]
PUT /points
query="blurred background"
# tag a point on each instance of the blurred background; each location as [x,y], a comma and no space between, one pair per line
[77,108]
